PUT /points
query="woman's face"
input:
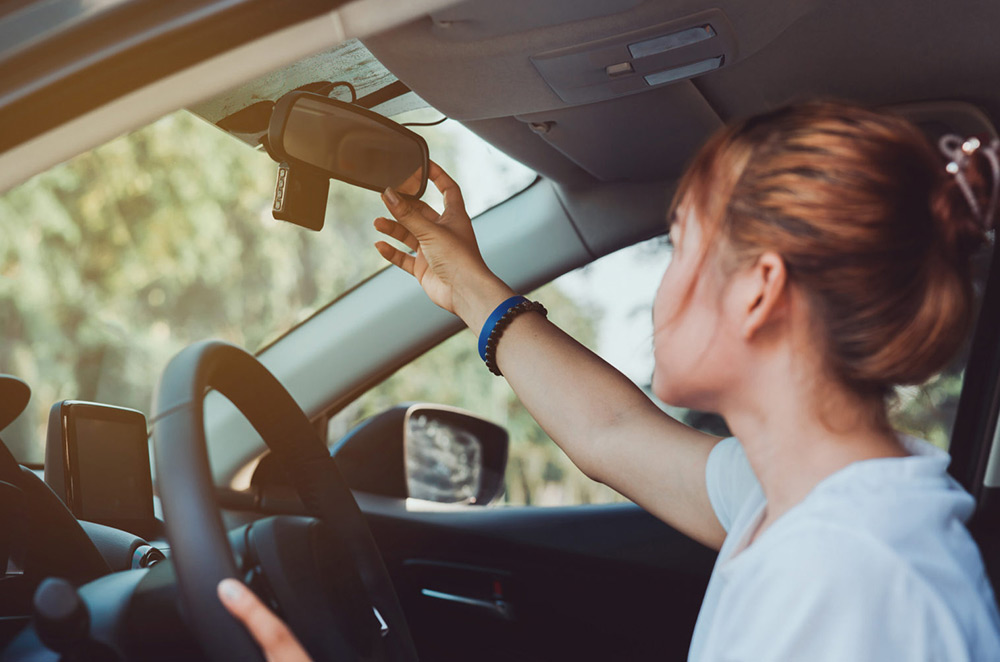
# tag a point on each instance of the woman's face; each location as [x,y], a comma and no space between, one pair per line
[692,343]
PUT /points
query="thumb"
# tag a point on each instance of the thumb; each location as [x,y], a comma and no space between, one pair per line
[270,632]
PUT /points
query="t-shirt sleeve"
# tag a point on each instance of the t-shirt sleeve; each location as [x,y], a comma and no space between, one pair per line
[825,596]
[729,479]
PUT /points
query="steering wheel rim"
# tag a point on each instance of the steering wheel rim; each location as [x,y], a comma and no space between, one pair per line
[200,548]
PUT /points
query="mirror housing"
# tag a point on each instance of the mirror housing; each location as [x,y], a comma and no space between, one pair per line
[324,136]
[425,451]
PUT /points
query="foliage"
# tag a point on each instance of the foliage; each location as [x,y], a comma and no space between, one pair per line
[116,259]
[928,411]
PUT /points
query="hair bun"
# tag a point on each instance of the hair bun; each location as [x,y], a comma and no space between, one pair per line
[965,202]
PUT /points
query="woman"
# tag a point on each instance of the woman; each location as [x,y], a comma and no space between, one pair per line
[821,256]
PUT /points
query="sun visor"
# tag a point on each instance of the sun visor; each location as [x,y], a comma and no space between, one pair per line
[648,137]
[638,60]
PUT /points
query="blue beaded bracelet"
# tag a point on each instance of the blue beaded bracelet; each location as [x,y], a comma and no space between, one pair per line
[499,320]
[491,321]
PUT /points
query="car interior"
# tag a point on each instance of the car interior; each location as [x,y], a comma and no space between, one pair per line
[390,528]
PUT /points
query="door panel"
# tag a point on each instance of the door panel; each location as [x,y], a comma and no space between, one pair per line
[583,582]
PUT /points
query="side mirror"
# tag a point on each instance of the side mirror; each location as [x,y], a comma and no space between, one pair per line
[429,452]
[338,140]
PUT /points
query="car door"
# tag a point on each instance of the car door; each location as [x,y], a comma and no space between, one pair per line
[586,582]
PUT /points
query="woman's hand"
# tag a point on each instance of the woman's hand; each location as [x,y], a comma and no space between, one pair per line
[271,634]
[447,262]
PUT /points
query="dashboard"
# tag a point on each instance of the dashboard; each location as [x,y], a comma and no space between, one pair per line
[88,516]
[94,568]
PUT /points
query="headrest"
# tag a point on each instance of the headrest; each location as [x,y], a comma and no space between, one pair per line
[14,396]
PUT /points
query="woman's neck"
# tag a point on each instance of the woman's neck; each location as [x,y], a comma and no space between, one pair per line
[794,438]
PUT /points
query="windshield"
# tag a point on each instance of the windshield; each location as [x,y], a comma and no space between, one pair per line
[113,261]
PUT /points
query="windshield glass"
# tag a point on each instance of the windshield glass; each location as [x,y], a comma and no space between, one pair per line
[113,261]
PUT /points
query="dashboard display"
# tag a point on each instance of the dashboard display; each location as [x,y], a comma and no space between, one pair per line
[97,461]
[111,456]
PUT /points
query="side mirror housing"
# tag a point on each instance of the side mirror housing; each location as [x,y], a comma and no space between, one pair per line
[425,451]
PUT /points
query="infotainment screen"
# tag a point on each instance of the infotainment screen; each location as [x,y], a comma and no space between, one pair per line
[97,460]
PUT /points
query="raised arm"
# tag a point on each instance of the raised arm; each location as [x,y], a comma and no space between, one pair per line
[600,419]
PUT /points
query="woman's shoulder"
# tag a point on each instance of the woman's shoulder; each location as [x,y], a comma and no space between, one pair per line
[805,542]
[819,560]
[895,558]
[905,511]
[867,596]
[886,533]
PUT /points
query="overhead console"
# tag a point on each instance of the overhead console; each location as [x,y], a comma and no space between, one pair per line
[97,462]
[637,60]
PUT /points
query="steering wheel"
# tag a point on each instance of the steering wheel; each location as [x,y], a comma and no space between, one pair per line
[324,575]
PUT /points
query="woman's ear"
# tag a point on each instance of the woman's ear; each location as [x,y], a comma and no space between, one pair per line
[765,293]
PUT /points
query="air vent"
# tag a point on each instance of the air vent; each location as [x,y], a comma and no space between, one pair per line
[636,61]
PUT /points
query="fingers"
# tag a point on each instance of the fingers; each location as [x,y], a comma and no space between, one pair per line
[448,187]
[397,232]
[270,632]
[397,257]
[412,214]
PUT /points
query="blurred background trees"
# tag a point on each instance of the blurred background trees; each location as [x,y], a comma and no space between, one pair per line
[113,261]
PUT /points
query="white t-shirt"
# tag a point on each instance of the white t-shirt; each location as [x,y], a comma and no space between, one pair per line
[874,564]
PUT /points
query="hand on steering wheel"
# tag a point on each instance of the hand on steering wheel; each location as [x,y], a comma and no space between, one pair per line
[272,635]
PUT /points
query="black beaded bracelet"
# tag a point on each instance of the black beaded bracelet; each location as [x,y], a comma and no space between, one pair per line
[498,329]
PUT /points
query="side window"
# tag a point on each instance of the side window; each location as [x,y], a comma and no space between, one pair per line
[606,306]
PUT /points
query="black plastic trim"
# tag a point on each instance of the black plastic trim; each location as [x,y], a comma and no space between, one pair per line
[978,404]
[387,93]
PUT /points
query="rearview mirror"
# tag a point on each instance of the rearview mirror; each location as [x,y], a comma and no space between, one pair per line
[346,142]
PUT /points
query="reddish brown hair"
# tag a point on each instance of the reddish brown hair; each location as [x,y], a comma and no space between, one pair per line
[870,226]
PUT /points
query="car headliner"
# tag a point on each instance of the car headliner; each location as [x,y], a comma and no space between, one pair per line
[473,62]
